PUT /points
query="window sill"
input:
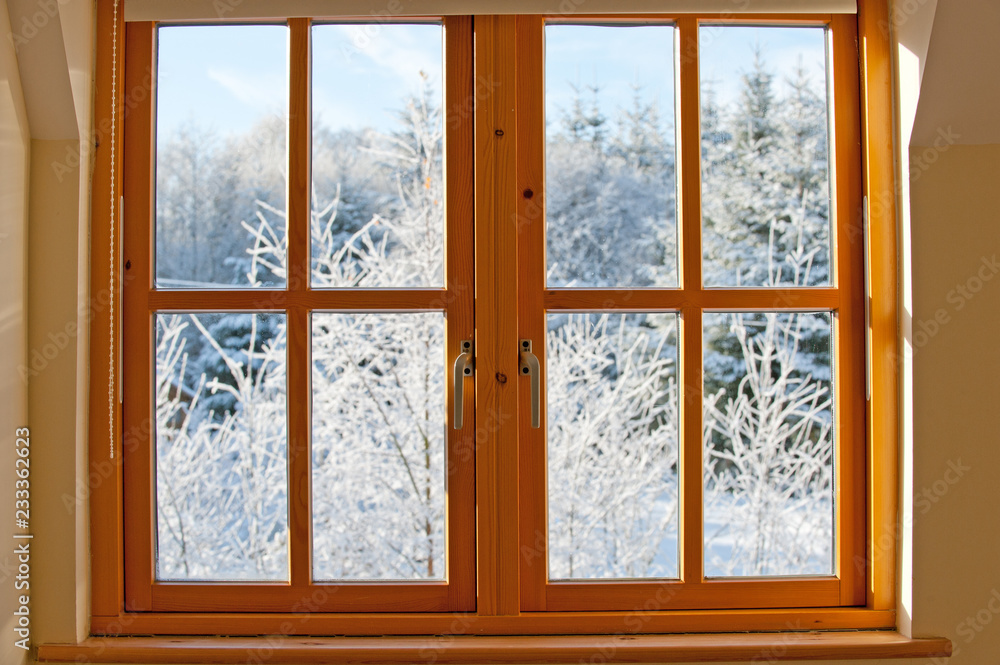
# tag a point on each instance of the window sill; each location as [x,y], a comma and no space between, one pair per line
[703,648]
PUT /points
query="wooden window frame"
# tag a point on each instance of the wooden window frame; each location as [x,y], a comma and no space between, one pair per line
[843,299]
[142,301]
[868,602]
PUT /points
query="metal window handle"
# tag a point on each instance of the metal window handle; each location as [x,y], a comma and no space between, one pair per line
[528,366]
[463,368]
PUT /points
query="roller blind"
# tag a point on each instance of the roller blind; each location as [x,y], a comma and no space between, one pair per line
[175,10]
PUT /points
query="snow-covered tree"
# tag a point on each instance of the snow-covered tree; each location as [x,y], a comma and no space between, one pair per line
[610,199]
[378,380]
[221,483]
[766,202]
[612,448]
[769,468]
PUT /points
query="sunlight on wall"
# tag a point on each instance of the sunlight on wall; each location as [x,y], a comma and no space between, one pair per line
[908,71]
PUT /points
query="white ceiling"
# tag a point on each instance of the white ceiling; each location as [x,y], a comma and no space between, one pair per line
[960,92]
[961,82]
[45,74]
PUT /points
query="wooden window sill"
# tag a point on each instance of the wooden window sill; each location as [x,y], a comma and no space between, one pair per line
[703,648]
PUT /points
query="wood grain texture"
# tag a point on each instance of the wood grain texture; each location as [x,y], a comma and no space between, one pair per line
[382,300]
[137,452]
[299,333]
[691,465]
[497,385]
[459,301]
[664,595]
[297,301]
[878,153]
[104,428]
[730,300]
[849,322]
[431,623]
[495,294]
[536,649]
[530,226]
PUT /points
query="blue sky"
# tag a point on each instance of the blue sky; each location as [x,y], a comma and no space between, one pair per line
[227,77]
[614,59]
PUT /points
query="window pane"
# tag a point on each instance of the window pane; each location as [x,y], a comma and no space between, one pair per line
[765,156]
[221,169]
[377,146]
[611,382]
[609,167]
[221,447]
[378,451]
[769,444]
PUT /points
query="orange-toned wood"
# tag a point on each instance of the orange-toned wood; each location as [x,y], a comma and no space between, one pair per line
[458,299]
[499,198]
[258,597]
[530,225]
[538,649]
[299,334]
[299,427]
[849,322]
[663,595]
[297,301]
[382,300]
[730,300]
[497,385]
[691,527]
[299,142]
[692,300]
[316,623]
[877,87]
[137,453]
[105,498]
[724,18]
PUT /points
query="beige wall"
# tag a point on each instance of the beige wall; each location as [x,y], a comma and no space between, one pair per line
[54,327]
[46,58]
[956,360]
[14,154]
[950,517]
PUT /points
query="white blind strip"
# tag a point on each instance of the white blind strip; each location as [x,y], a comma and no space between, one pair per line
[211,10]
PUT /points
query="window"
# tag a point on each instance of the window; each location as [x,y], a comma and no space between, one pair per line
[654,275]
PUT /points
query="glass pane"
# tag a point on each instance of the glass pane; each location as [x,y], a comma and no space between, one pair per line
[377,147]
[765,156]
[221,447]
[611,382]
[221,112]
[378,451]
[609,166]
[769,444]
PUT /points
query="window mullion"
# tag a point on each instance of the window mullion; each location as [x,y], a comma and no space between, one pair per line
[297,229]
[849,361]
[497,384]
[689,195]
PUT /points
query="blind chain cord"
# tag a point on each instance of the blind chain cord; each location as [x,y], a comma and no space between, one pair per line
[111,259]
